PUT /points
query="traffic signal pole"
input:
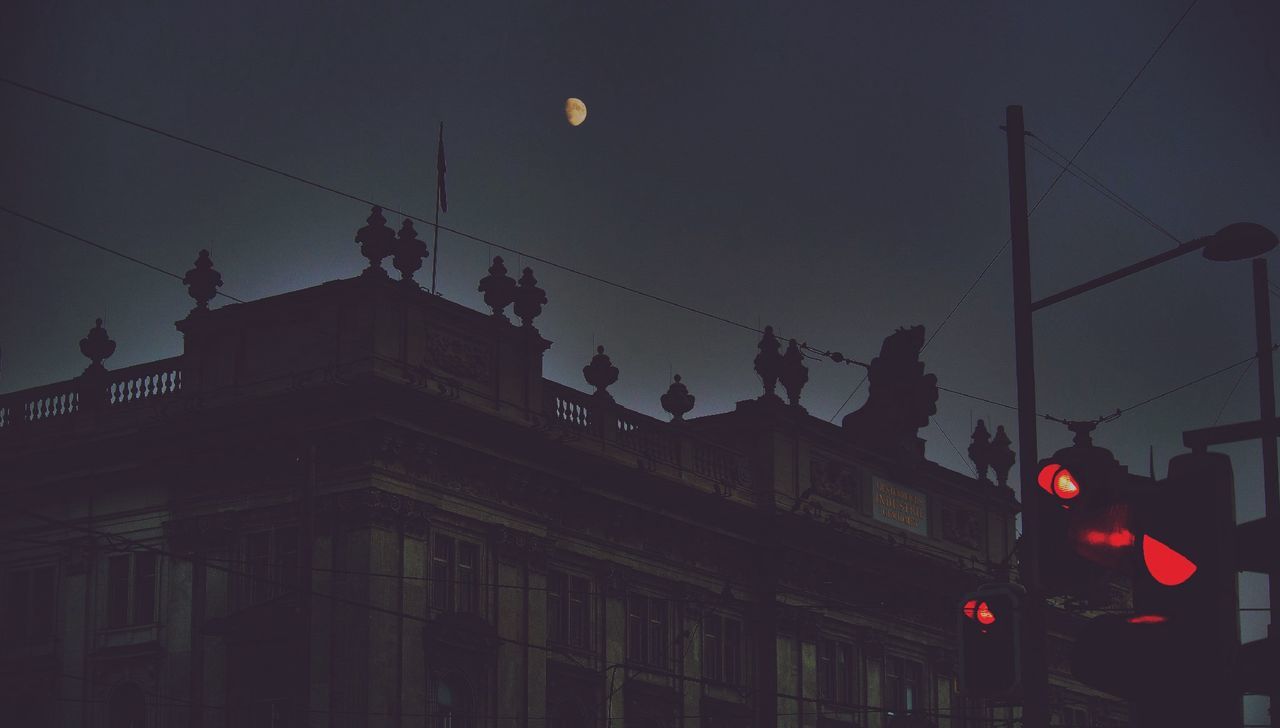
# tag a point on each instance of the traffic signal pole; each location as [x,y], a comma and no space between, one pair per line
[1035,673]
[1267,413]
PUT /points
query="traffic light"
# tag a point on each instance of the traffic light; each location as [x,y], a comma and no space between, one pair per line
[1175,654]
[1075,487]
[990,624]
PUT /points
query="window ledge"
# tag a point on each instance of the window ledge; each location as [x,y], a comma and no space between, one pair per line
[111,637]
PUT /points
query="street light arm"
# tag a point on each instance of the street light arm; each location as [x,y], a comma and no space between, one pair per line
[1128,270]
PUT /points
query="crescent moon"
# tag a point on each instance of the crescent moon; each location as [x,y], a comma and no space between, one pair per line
[575,111]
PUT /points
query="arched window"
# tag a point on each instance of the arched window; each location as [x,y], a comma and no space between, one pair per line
[127,707]
[451,703]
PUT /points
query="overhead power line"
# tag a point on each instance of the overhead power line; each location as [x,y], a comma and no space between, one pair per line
[964,296]
[371,202]
[834,356]
[105,248]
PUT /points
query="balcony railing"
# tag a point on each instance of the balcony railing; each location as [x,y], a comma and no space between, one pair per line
[116,388]
[152,379]
[653,440]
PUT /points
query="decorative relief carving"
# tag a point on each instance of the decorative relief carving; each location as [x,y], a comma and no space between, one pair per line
[834,479]
[521,546]
[962,526]
[372,506]
[458,356]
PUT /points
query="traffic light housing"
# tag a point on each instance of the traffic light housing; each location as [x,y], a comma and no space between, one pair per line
[1078,485]
[1175,654]
[990,631]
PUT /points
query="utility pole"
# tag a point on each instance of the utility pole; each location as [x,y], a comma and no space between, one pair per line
[1267,413]
[1035,673]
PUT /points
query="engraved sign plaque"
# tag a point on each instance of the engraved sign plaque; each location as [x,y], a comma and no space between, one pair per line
[900,506]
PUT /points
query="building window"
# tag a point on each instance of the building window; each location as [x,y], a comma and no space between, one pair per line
[647,630]
[902,681]
[722,649]
[455,575]
[836,674]
[270,713]
[28,605]
[450,703]
[131,589]
[127,707]
[1073,717]
[569,610]
[269,565]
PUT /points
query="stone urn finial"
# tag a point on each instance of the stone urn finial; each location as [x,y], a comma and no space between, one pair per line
[677,401]
[980,450]
[202,281]
[499,289]
[793,373]
[1002,456]
[529,299]
[97,346]
[600,373]
[769,362]
[408,253]
[376,240]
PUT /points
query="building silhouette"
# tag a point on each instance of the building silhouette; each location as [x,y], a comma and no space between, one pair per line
[360,504]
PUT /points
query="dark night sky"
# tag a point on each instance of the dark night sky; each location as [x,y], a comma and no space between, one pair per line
[834,169]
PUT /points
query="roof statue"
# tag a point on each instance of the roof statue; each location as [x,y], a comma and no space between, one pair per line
[1002,456]
[793,373]
[407,253]
[902,397]
[202,282]
[677,401]
[600,373]
[96,346]
[499,289]
[529,298]
[768,362]
[376,241]
[980,450]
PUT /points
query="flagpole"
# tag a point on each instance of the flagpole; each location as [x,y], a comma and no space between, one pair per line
[435,248]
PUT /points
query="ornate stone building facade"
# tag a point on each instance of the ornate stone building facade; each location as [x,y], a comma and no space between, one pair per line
[360,504]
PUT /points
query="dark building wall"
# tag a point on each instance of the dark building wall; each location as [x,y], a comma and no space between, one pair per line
[481,541]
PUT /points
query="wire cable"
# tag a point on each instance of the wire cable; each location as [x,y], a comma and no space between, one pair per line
[1097,185]
[357,198]
[959,454]
[123,544]
[105,248]
[938,329]
[1227,399]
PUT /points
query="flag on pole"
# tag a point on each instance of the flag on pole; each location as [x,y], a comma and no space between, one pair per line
[443,197]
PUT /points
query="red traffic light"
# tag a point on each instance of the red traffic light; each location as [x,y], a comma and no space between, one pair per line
[979,611]
[1057,481]
[988,627]
[1166,565]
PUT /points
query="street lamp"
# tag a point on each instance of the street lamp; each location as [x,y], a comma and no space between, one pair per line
[1238,241]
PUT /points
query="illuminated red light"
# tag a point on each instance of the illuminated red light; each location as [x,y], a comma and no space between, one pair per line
[1045,478]
[1119,538]
[984,614]
[1058,481]
[1065,485]
[1166,565]
[1147,619]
